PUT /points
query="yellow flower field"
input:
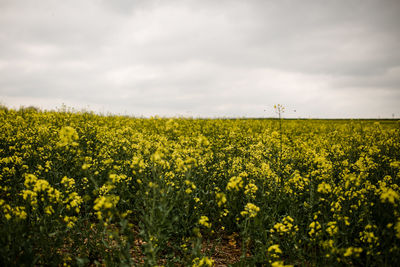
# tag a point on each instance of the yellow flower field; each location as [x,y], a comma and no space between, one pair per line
[81,189]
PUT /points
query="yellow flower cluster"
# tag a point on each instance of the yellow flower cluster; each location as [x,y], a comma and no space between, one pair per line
[285,227]
[350,251]
[8,211]
[68,136]
[70,221]
[389,195]
[274,249]
[250,190]
[297,184]
[315,227]
[204,261]
[280,264]
[332,228]
[190,187]
[221,198]
[274,253]
[324,188]
[235,183]
[40,190]
[250,210]
[368,235]
[104,204]
[397,228]
[204,221]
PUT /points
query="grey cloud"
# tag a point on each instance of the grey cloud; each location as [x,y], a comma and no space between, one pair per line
[341,39]
[387,80]
[204,57]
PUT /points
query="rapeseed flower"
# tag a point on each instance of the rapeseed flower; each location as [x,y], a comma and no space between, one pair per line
[204,221]
[68,136]
[251,210]
[389,195]
[350,251]
[324,188]
[274,249]
[280,264]
[250,190]
[397,228]
[204,261]
[235,183]
[221,198]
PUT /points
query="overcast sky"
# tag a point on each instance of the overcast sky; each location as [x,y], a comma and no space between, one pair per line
[204,58]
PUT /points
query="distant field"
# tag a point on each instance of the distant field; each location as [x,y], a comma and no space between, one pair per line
[82,189]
